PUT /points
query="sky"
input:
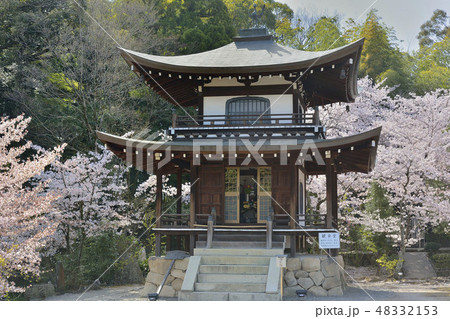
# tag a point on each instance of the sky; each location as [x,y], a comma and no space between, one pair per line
[405,16]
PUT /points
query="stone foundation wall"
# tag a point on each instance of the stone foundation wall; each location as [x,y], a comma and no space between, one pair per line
[319,275]
[158,268]
[39,291]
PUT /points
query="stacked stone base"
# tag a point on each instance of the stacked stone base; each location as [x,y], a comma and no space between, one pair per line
[158,268]
[40,291]
[320,275]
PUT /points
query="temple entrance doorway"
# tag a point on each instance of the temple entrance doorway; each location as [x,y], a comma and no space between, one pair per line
[247,195]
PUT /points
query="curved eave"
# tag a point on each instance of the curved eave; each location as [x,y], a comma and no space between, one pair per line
[356,153]
[295,60]
[175,78]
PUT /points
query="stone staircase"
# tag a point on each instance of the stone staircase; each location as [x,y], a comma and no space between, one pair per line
[235,268]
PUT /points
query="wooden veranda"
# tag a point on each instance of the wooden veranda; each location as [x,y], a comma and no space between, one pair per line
[206,171]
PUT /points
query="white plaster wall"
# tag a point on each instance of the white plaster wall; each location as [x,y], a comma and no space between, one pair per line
[216,105]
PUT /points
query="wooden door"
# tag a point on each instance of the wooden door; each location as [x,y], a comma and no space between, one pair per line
[211,191]
[281,190]
[231,211]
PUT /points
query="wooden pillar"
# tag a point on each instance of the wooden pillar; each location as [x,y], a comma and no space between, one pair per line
[179,245]
[295,104]
[293,170]
[174,119]
[158,210]
[332,204]
[191,244]
[200,104]
[302,243]
[193,196]
[316,115]
[193,205]
[210,232]
[269,233]
[175,240]
[302,102]
[179,182]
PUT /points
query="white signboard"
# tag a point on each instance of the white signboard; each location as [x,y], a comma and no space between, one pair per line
[281,261]
[329,240]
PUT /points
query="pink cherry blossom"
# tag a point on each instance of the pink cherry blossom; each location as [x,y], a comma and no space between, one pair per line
[27,217]
[91,199]
[413,150]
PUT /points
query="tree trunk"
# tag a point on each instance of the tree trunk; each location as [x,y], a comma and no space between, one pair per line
[401,252]
[83,236]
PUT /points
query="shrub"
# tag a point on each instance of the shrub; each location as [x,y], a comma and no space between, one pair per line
[438,236]
[432,247]
[388,264]
[97,254]
[441,264]
[359,258]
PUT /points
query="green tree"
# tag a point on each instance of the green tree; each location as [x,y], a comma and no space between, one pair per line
[22,29]
[240,11]
[78,83]
[399,74]
[278,18]
[432,61]
[377,202]
[199,25]
[434,30]
[376,56]
[325,34]
[381,59]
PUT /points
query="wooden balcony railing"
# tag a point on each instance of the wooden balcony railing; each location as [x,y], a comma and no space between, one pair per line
[175,220]
[244,120]
[309,221]
[250,124]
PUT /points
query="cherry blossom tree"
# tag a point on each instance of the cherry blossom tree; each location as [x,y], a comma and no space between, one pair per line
[146,197]
[91,201]
[413,154]
[412,159]
[27,217]
[148,190]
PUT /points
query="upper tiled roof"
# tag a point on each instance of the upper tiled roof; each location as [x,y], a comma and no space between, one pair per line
[241,57]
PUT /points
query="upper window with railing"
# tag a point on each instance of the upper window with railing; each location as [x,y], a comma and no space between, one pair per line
[247,110]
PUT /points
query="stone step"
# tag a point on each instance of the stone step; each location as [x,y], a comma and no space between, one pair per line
[240,244]
[237,252]
[229,287]
[234,269]
[232,278]
[235,260]
[203,296]
[252,296]
[224,296]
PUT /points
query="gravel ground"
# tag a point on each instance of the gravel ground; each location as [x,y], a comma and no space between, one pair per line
[434,290]
[111,293]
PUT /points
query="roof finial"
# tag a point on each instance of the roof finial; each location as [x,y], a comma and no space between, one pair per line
[256,16]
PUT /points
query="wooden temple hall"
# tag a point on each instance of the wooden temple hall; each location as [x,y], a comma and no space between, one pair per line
[255,137]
